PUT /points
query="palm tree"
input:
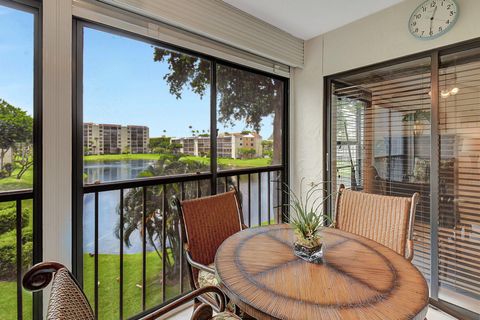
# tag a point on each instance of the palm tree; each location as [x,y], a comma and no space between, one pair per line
[157,209]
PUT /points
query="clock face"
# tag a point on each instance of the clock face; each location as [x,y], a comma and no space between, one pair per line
[433,18]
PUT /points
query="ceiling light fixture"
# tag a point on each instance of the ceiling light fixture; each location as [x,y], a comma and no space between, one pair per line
[447,93]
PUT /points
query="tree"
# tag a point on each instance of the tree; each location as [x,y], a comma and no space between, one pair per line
[242,95]
[267,148]
[23,157]
[246,153]
[16,126]
[157,209]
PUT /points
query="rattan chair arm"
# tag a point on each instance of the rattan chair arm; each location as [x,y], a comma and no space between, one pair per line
[409,253]
[198,265]
[186,298]
[411,223]
[337,205]
[40,275]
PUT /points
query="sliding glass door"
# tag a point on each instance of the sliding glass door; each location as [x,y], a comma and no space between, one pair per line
[381,138]
[459,174]
[413,126]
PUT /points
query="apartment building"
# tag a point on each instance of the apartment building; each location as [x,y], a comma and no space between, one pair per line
[242,142]
[114,139]
[137,139]
[229,145]
[194,146]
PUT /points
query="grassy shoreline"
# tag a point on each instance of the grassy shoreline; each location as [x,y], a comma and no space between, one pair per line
[26,182]
[257,162]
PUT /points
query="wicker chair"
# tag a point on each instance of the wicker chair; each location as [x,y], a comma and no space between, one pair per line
[68,302]
[385,219]
[206,222]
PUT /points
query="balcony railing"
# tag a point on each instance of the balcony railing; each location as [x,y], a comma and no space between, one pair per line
[17,251]
[132,248]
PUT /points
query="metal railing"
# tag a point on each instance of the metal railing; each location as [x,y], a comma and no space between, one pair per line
[146,225]
[22,262]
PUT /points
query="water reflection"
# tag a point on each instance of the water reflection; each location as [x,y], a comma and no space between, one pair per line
[108,171]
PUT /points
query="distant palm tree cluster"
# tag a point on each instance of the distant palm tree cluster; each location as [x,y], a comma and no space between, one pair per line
[199,133]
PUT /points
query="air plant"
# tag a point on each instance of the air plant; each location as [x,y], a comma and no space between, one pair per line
[307,215]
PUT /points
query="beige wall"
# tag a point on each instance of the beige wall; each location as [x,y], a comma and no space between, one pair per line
[307,118]
[376,38]
[57,133]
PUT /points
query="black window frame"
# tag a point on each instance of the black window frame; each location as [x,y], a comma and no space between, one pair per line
[35,8]
[78,188]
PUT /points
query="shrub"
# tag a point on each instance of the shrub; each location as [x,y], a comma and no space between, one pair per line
[8,253]
[8,248]
[8,218]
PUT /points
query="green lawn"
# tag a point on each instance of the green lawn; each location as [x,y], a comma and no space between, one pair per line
[109,285]
[12,183]
[8,302]
[235,163]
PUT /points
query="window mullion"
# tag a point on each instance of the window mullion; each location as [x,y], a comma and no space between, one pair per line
[213,126]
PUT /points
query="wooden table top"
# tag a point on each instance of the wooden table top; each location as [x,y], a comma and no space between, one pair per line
[359,278]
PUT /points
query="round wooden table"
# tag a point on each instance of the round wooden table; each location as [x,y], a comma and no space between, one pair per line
[359,278]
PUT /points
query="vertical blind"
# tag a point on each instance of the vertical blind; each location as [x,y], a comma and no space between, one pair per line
[380,142]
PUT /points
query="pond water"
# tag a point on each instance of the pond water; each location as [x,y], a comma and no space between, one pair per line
[116,170]
[108,203]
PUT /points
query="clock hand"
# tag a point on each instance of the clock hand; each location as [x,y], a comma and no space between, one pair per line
[431,19]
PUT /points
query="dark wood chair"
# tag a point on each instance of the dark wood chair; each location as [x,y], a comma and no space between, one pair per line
[206,222]
[68,302]
[388,220]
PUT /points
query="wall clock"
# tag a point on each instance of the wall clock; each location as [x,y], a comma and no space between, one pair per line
[433,18]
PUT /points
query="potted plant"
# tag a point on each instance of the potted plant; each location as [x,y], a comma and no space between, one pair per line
[308,220]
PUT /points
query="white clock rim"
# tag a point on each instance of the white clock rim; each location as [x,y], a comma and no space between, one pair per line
[441,33]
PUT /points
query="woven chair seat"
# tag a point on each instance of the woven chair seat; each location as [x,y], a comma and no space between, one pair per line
[206,279]
[225,316]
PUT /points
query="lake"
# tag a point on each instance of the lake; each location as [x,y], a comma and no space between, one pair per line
[108,203]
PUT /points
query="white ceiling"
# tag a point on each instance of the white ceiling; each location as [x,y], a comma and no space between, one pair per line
[306,19]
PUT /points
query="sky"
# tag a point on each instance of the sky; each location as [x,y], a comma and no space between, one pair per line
[16,58]
[121,82]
